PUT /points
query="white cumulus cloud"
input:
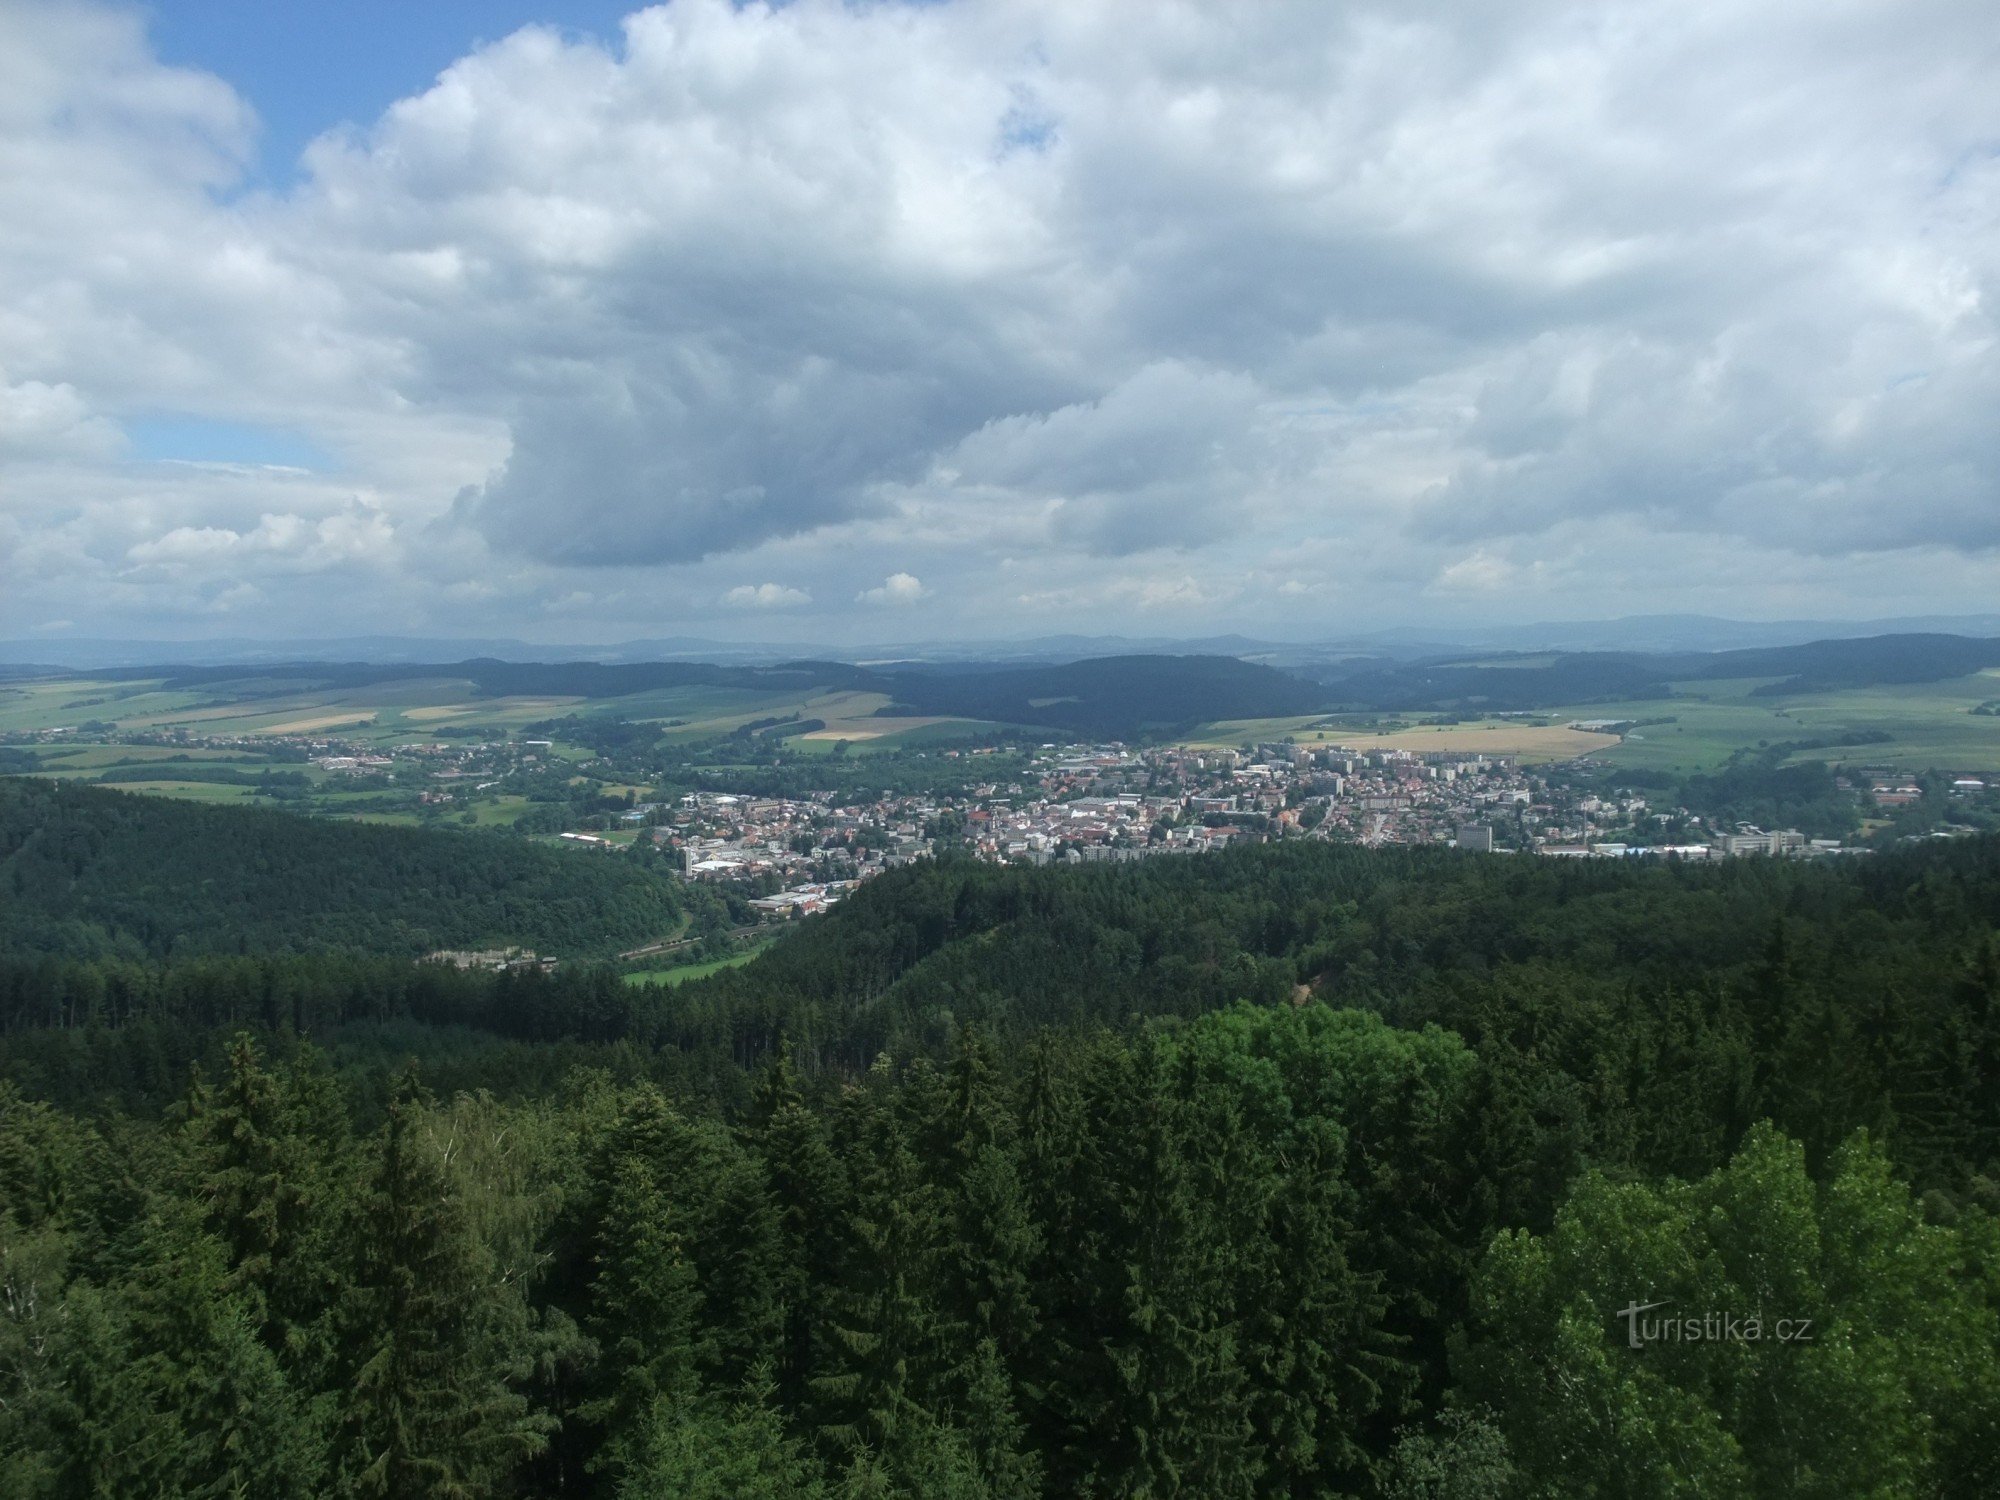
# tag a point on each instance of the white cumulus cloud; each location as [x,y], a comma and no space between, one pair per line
[897,588]
[1574,305]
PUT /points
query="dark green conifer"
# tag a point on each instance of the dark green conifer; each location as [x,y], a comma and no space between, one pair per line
[429,1408]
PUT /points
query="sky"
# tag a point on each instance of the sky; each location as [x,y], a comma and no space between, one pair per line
[836,323]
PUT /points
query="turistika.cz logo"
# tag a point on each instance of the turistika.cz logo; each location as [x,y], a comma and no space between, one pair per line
[1708,1327]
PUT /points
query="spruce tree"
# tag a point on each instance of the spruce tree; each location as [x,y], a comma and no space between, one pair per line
[882,1388]
[716,1449]
[644,1315]
[429,1412]
[261,1171]
[808,1184]
[232,1424]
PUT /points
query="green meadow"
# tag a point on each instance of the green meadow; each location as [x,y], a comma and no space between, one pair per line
[1929,725]
[189,791]
[682,973]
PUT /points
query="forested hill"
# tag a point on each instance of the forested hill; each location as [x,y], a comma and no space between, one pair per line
[1115,696]
[88,873]
[1419,935]
[1297,1171]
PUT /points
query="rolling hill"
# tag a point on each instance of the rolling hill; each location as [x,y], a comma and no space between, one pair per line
[1128,697]
[86,872]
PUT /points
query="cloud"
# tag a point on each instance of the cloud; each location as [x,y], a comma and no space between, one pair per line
[897,589]
[1164,459]
[1166,592]
[1301,306]
[766,596]
[289,543]
[43,421]
[1479,572]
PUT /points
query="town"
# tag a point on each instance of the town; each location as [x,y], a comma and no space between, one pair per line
[1110,803]
[783,834]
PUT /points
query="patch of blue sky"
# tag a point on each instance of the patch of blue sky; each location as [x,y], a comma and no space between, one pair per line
[310,66]
[1026,130]
[198,440]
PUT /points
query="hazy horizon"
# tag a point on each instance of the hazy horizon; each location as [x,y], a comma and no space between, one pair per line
[1642,634]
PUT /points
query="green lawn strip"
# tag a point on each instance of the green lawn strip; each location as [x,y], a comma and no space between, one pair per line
[681,973]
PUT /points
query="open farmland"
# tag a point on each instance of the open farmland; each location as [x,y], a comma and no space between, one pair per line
[190,791]
[432,747]
[1927,725]
[69,702]
[1903,726]
[1531,741]
[858,716]
[411,710]
[72,759]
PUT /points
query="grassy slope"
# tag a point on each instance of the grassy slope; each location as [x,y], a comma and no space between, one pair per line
[682,973]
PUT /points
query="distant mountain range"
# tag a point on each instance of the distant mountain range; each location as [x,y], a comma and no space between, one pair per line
[1638,633]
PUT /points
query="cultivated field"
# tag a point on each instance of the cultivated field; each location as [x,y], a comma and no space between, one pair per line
[191,791]
[1529,741]
[1928,725]
[98,757]
[417,710]
[855,716]
[1906,727]
[253,725]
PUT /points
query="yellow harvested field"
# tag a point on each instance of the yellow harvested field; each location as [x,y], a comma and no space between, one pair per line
[526,705]
[1531,742]
[323,721]
[870,728]
[499,710]
[1527,741]
[850,714]
[167,717]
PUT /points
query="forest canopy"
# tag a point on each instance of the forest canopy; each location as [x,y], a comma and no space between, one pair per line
[1299,1170]
[90,873]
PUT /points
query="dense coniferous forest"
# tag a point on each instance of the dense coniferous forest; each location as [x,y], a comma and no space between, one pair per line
[1296,1171]
[88,873]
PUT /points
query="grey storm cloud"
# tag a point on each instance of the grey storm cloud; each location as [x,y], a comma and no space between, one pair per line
[652,470]
[1333,298]
[1166,458]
